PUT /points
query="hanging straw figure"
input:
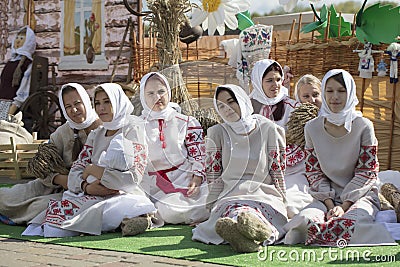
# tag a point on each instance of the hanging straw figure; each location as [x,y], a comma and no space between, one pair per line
[366,65]
[46,161]
[287,76]
[393,51]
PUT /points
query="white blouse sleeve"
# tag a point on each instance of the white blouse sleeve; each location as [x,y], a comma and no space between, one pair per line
[320,186]
[85,158]
[130,179]
[24,88]
[214,165]
[194,142]
[277,158]
[366,171]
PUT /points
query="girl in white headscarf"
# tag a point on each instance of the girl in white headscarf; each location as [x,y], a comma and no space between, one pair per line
[245,168]
[175,176]
[16,75]
[269,97]
[22,202]
[341,168]
[101,204]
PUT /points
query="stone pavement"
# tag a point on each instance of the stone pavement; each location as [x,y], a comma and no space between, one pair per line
[19,253]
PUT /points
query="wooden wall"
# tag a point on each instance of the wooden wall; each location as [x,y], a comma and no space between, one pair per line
[48,36]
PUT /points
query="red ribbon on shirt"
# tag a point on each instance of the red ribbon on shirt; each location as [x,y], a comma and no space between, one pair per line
[165,184]
[161,129]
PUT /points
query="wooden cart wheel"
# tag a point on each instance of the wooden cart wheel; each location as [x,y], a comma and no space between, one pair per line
[42,109]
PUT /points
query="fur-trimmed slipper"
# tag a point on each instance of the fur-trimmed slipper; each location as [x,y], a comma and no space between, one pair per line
[134,226]
[252,227]
[227,229]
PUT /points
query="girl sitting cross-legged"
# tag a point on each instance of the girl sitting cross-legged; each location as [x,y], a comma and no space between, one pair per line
[175,175]
[341,168]
[245,170]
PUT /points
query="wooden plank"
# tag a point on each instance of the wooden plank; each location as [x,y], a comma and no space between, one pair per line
[27,146]
[26,155]
[5,155]
[5,147]
[9,173]
[7,164]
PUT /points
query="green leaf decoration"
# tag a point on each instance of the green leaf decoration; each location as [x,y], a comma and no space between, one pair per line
[345,27]
[378,24]
[320,23]
[244,20]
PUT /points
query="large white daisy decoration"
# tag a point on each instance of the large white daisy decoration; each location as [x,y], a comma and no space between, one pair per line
[215,14]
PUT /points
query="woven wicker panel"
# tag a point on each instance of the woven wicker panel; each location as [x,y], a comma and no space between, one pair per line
[318,57]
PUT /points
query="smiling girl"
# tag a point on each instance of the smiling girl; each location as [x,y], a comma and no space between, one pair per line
[269,97]
[341,168]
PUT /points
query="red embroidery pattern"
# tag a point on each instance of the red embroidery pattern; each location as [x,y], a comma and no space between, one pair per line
[294,155]
[368,159]
[195,143]
[214,162]
[84,157]
[140,157]
[278,167]
[60,211]
[313,169]
[328,233]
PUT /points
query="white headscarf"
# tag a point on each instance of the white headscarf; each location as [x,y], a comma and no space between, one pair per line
[247,121]
[349,113]
[27,49]
[149,114]
[121,105]
[256,80]
[91,115]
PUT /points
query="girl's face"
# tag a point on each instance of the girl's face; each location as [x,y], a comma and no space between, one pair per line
[19,40]
[271,83]
[74,106]
[103,107]
[335,95]
[228,107]
[156,94]
[309,93]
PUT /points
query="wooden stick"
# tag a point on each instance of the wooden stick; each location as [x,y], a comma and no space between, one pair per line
[327,27]
[340,24]
[353,30]
[392,120]
[299,27]
[120,50]
[291,31]
[312,33]
[363,89]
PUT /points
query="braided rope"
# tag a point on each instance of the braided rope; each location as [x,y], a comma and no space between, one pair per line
[46,161]
[297,121]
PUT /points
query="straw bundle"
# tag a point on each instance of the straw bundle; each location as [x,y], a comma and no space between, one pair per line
[46,161]
[297,121]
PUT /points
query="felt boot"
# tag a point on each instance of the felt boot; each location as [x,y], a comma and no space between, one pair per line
[392,194]
[227,229]
[134,226]
[252,227]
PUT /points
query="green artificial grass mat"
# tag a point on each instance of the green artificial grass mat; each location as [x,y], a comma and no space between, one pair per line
[175,241]
[5,185]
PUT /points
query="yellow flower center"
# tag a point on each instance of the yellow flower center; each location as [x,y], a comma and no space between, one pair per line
[211,5]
